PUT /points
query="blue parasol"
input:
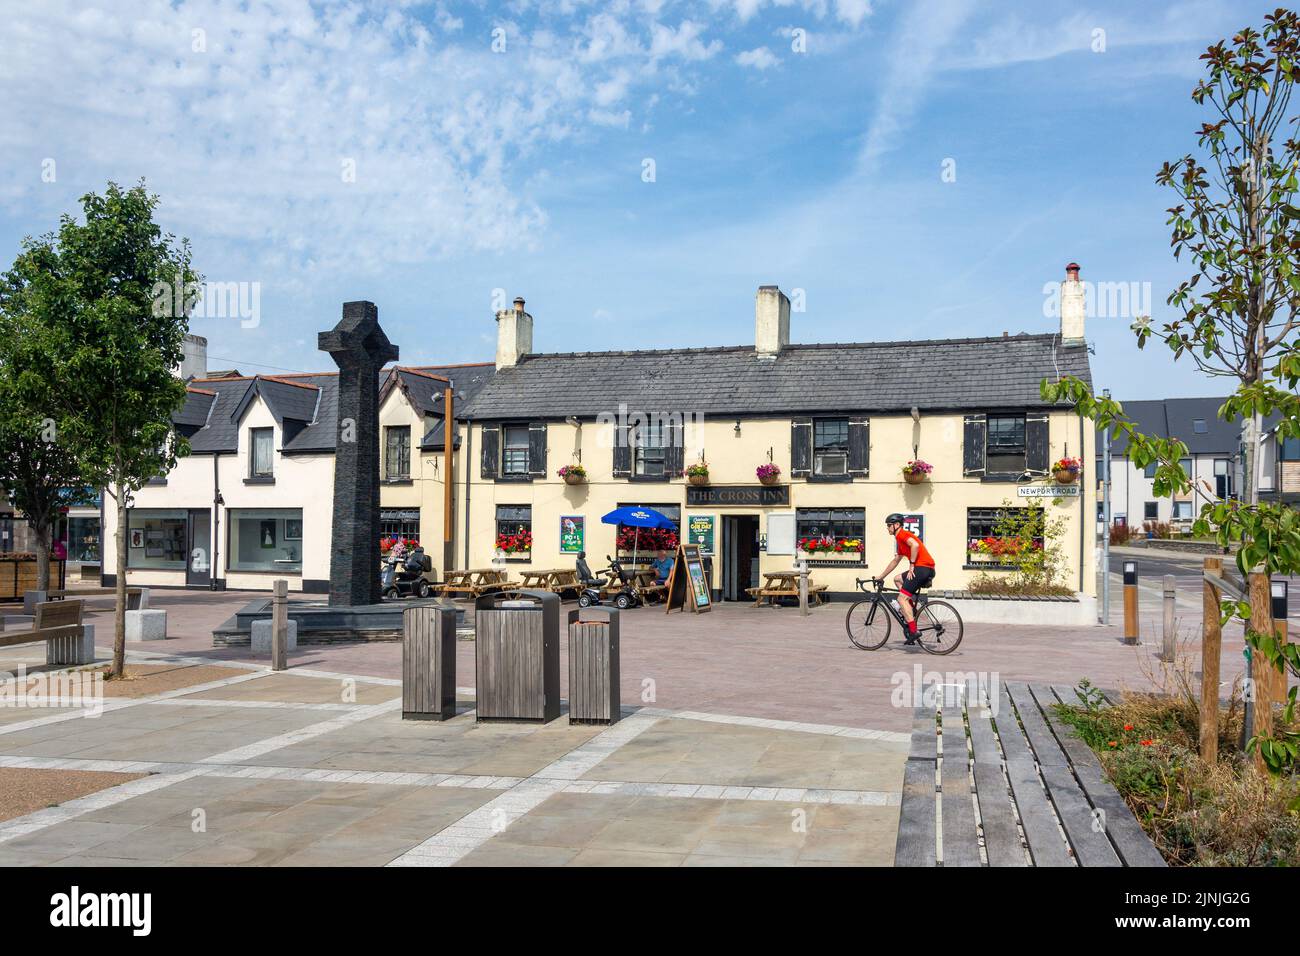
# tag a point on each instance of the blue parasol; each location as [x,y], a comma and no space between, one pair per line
[635,516]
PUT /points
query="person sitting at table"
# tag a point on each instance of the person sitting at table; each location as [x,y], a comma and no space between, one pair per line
[663,566]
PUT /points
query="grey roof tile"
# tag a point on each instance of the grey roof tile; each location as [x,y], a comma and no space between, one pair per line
[945,374]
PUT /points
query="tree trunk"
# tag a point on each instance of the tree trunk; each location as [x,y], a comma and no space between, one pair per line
[119,616]
[41,533]
[1250,472]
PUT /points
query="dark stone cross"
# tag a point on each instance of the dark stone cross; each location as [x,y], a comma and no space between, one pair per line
[360,348]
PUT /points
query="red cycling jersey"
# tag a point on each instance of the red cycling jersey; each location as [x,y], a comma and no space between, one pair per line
[905,539]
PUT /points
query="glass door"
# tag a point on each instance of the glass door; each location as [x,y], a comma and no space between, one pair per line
[198,571]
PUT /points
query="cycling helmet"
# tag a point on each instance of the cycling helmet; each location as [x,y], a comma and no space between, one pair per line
[894,518]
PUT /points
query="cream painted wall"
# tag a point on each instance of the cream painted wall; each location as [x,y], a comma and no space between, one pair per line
[732,458]
[301,481]
[425,490]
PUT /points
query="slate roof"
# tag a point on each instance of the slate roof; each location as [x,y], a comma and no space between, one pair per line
[306,407]
[424,386]
[1176,418]
[944,374]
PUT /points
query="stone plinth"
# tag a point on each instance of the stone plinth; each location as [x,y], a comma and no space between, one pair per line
[146,625]
[261,641]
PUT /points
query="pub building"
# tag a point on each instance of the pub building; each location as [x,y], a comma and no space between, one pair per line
[838,421]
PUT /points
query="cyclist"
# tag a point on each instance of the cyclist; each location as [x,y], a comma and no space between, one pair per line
[920,573]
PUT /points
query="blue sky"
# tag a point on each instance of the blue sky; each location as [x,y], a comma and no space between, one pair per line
[520,169]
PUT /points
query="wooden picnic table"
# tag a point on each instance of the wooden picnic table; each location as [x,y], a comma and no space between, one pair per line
[783,584]
[558,580]
[474,582]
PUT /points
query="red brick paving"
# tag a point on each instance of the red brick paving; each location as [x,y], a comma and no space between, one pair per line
[740,660]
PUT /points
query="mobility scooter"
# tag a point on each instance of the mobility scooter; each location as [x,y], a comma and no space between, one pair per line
[406,580]
[591,585]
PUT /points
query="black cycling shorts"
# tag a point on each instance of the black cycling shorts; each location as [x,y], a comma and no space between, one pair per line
[917,578]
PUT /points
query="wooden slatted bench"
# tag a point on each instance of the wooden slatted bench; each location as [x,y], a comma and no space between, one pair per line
[1041,795]
[58,624]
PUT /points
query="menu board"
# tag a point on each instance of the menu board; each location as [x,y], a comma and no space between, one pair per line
[688,585]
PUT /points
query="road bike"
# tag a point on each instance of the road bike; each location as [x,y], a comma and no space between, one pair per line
[938,625]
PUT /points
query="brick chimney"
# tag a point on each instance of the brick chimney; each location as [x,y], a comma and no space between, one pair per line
[771,321]
[514,335]
[1072,305]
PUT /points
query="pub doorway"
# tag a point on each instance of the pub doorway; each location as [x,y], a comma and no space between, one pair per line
[739,556]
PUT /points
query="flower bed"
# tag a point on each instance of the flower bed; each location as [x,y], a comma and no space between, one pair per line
[1196,813]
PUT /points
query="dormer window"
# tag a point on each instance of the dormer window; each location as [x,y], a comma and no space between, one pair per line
[261,459]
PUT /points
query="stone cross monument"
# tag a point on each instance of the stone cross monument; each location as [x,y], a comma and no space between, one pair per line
[360,348]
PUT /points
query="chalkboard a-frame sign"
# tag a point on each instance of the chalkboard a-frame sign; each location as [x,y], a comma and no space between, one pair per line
[688,586]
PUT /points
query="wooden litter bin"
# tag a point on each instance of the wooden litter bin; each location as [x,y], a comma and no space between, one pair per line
[428,662]
[593,666]
[517,656]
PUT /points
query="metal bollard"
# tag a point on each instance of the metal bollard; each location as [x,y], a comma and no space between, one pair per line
[1130,602]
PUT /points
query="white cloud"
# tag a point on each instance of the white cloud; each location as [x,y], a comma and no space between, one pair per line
[760,58]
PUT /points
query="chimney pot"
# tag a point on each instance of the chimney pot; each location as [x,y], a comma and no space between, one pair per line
[519,303]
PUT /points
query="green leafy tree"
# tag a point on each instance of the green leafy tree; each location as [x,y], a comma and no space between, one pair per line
[1238,315]
[100,299]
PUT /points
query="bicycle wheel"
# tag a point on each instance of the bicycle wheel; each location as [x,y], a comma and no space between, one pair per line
[938,628]
[867,624]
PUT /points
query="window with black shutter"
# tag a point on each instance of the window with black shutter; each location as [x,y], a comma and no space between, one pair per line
[491,455]
[622,451]
[974,434]
[514,451]
[801,447]
[537,449]
[830,447]
[859,447]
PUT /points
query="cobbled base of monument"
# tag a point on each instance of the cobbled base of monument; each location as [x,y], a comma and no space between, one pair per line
[318,623]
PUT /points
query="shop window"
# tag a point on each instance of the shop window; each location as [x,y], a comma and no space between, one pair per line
[830,446]
[397,452]
[515,528]
[157,539]
[265,539]
[830,529]
[261,462]
[84,539]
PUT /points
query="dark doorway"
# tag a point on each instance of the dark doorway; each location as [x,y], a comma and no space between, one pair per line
[739,556]
[198,569]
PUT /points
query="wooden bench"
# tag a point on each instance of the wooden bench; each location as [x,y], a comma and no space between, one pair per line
[133,595]
[1042,794]
[58,624]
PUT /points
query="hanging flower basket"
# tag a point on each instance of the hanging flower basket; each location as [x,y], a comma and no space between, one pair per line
[915,472]
[698,473]
[1067,470]
[768,474]
[573,474]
